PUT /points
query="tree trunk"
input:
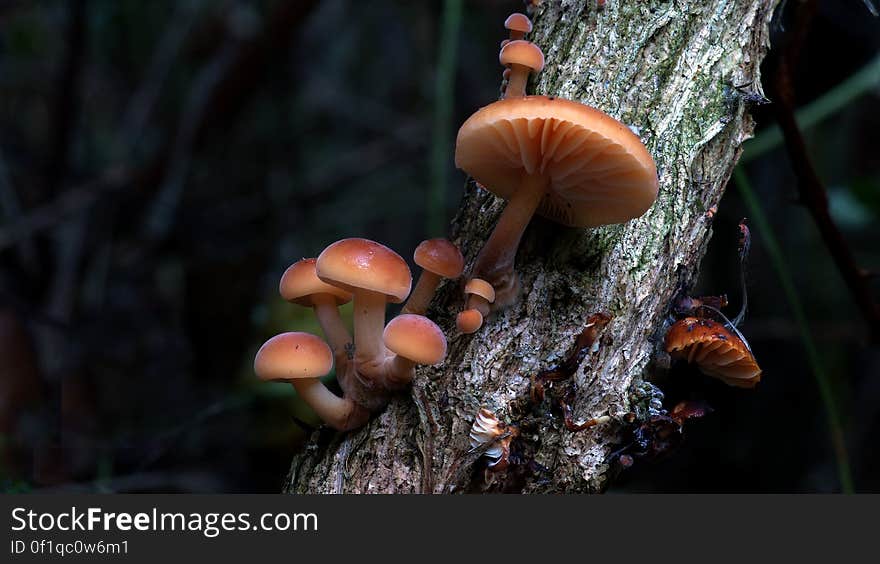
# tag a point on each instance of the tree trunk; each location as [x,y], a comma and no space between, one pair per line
[680,73]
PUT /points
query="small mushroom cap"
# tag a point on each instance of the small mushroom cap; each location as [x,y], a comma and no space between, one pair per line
[469,320]
[598,171]
[289,356]
[481,288]
[716,351]
[518,22]
[360,264]
[522,52]
[439,256]
[415,337]
[300,283]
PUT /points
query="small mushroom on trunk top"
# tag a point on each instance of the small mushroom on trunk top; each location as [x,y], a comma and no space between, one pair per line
[716,351]
[375,275]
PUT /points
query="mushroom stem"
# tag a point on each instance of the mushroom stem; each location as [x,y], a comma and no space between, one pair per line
[495,261]
[369,321]
[400,372]
[422,294]
[516,85]
[340,413]
[334,329]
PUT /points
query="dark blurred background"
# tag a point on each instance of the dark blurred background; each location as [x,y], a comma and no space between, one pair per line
[162,162]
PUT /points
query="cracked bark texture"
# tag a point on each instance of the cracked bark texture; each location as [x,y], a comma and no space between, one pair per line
[678,72]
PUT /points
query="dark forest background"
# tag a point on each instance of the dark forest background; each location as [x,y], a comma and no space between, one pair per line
[162,162]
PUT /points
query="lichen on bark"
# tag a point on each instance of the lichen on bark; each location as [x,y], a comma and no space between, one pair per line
[677,72]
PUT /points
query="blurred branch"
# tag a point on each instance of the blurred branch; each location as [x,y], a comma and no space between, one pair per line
[70,202]
[66,107]
[777,259]
[444,87]
[11,208]
[141,104]
[864,80]
[812,192]
[161,214]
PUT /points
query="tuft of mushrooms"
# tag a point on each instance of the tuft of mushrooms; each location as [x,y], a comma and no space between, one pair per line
[715,350]
[439,259]
[300,285]
[375,275]
[302,359]
[414,339]
[558,158]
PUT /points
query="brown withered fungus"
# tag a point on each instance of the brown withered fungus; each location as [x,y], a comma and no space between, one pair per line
[439,259]
[302,359]
[715,350]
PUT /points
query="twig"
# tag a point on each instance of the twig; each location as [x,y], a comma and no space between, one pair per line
[835,427]
[812,192]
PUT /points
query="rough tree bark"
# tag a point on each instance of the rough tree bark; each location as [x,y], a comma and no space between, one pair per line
[681,73]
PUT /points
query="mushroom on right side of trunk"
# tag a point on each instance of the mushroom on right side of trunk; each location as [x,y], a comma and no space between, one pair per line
[715,350]
[561,159]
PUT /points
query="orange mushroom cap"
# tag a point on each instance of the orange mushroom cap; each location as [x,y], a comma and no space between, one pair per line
[598,171]
[416,338]
[353,264]
[300,283]
[518,22]
[481,288]
[439,256]
[716,351]
[469,320]
[294,355]
[522,52]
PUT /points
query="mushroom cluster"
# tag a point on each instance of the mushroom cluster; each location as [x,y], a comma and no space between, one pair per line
[561,159]
[377,360]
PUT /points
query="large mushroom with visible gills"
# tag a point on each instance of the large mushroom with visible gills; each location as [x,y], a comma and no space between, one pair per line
[300,285]
[302,359]
[375,275]
[561,159]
